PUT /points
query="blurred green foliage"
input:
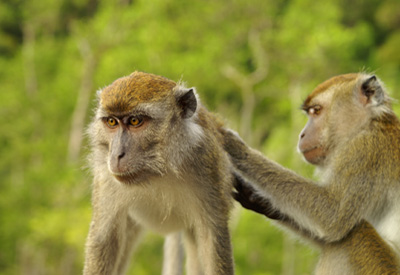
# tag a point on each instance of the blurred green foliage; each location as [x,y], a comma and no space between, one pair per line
[252,61]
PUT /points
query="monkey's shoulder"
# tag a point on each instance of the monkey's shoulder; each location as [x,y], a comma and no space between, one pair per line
[211,122]
[209,119]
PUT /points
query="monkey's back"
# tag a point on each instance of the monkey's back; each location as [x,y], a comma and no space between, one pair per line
[211,159]
[341,257]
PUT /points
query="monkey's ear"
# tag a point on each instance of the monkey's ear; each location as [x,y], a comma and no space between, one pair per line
[372,91]
[187,101]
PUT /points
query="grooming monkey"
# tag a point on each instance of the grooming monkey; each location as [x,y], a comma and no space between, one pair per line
[353,138]
[158,163]
[362,251]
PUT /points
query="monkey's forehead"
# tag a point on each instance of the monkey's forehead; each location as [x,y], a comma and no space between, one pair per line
[324,86]
[126,92]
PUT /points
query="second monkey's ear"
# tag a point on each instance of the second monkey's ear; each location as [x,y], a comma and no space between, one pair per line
[187,101]
[372,91]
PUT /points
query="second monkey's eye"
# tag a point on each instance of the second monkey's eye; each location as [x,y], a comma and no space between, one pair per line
[136,121]
[315,110]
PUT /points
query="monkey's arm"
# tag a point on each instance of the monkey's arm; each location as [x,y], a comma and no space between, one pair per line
[250,199]
[329,214]
[112,233]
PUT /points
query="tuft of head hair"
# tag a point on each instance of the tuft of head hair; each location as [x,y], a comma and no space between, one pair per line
[329,84]
[127,92]
[365,89]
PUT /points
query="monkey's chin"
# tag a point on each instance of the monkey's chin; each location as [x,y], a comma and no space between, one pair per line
[130,178]
[314,155]
[134,178]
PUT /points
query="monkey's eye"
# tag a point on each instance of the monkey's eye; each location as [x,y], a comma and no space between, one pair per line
[314,110]
[136,121]
[111,122]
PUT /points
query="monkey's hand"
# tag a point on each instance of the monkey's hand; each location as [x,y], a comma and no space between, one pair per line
[248,197]
[233,144]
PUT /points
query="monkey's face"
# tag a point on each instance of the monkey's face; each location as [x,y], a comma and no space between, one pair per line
[337,110]
[311,139]
[130,153]
[135,119]
[315,140]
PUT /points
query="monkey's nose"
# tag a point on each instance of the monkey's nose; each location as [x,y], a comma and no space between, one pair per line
[120,156]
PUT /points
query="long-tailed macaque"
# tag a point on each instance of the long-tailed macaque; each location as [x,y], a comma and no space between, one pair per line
[353,138]
[158,163]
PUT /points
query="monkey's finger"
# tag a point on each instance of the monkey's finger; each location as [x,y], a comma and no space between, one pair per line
[254,198]
[238,186]
[238,182]
[245,189]
[236,196]
[240,199]
[245,203]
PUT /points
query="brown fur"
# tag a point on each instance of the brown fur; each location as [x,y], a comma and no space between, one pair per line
[126,92]
[361,252]
[334,81]
[353,212]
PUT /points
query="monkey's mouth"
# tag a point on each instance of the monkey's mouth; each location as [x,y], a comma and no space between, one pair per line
[128,177]
[135,173]
[134,177]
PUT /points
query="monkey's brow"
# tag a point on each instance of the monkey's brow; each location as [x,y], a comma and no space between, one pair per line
[304,107]
[121,116]
[124,114]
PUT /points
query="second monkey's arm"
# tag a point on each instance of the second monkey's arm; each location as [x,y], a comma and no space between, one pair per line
[251,199]
[311,206]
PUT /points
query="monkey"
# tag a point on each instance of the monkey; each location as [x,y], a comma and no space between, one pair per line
[158,164]
[353,212]
[366,252]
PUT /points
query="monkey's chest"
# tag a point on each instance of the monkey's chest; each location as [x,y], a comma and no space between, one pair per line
[166,207]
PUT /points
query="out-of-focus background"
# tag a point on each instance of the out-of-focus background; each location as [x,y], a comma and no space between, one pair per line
[252,62]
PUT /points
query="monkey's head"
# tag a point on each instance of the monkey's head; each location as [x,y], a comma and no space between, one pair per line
[337,110]
[140,120]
